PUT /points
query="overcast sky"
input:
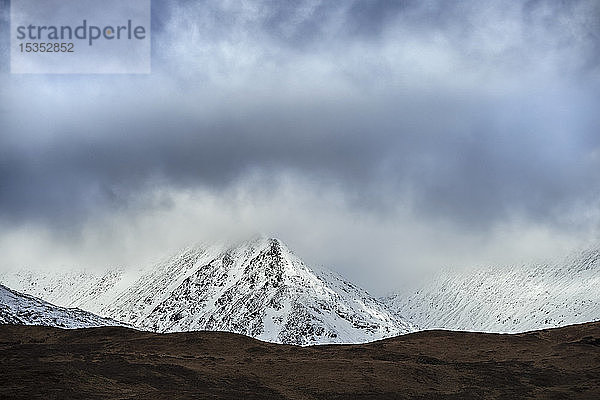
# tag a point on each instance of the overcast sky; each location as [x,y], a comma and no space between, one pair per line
[376,138]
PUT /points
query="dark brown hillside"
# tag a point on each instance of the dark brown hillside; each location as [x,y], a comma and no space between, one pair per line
[119,363]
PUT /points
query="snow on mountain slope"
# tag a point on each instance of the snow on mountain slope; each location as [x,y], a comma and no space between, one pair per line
[507,299]
[77,288]
[258,288]
[21,309]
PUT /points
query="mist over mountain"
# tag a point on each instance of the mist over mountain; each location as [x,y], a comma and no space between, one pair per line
[439,132]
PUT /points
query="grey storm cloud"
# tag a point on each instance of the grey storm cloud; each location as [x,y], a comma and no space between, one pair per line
[473,110]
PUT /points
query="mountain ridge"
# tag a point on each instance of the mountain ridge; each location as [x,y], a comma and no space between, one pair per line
[22,309]
[507,299]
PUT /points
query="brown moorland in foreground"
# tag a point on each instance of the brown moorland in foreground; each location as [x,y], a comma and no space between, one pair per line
[118,363]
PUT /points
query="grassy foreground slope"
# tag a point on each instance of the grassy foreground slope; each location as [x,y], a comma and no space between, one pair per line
[119,363]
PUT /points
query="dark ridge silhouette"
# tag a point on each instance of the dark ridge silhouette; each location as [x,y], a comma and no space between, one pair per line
[118,363]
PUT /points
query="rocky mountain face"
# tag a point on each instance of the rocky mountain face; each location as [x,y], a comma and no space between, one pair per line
[258,288]
[507,299]
[21,309]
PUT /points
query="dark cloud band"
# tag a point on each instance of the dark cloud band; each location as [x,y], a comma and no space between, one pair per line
[476,109]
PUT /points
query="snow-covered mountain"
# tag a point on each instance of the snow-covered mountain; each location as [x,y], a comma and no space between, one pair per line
[507,299]
[21,309]
[258,288]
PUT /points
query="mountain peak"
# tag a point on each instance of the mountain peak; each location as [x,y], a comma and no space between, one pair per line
[257,288]
[261,241]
